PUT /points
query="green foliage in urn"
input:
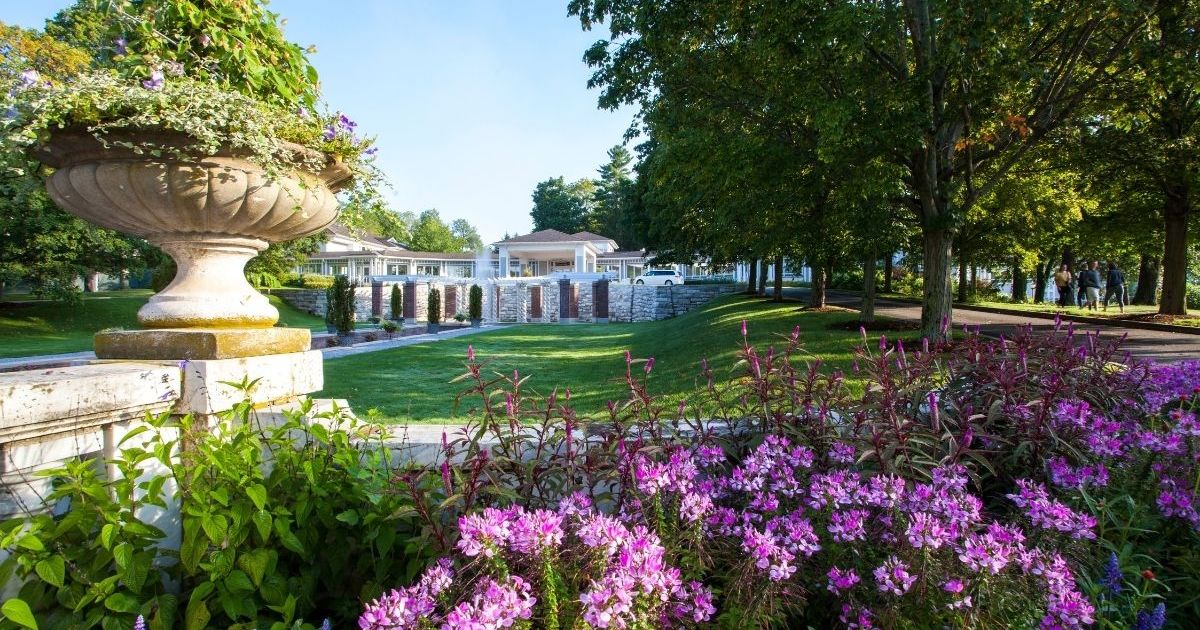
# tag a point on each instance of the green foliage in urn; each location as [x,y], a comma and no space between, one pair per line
[339,306]
[475,302]
[237,44]
[435,306]
[220,73]
[397,303]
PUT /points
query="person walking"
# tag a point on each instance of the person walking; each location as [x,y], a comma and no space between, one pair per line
[1114,286]
[1062,282]
[1081,288]
[1089,281]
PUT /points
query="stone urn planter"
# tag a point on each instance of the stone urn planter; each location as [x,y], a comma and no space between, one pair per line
[211,214]
[433,329]
[476,323]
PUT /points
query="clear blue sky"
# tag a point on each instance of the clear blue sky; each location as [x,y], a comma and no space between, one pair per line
[473,101]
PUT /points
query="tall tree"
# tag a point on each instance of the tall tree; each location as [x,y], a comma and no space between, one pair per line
[431,234]
[613,215]
[954,93]
[1148,132]
[39,243]
[467,236]
[562,206]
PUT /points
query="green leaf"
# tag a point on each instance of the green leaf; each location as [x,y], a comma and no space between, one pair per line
[239,583]
[255,564]
[31,542]
[122,602]
[197,615]
[108,534]
[123,554]
[215,527]
[257,494]
[349,517]
[18,612]
[262,520]
[52,570]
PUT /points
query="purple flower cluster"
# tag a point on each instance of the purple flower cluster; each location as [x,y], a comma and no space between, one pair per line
[495,604]
[626,578]
[1049,513]
[893,577]
[1063,475]
[401,609]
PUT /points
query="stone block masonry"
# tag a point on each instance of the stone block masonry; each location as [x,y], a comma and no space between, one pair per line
[626,302]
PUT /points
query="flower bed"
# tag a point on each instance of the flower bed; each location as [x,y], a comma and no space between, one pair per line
[1038,481]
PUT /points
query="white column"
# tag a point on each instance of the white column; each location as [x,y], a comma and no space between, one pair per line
[503,262]
[580,259]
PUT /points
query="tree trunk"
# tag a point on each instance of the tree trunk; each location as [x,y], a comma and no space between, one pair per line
[962,278]
[887,272]
[124,281]
[778,278]
[1174,288]
[762,276]
[1147,282]
[1020,283]
[1039,282]
[752,277]
[937,309]
[91,282]
[816,296]
[867,314]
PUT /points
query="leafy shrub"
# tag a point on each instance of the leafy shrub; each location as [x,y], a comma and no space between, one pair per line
[397,303]
[434,304]
[316,281]
[339,305]
[475,302]
[261,507]
[264,280]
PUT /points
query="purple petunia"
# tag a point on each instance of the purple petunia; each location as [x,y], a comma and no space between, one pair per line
[155,82]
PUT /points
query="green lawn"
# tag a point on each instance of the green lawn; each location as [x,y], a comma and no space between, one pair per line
[1193,318]
[41,327]
[412,383]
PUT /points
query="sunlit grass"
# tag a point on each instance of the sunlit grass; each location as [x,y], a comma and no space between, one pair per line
[413,383]
[42,327]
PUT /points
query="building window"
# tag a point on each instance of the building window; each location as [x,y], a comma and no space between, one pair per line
[397,269]
[429,270]
[460,270]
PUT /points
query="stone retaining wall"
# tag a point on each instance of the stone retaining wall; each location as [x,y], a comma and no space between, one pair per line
[626,302]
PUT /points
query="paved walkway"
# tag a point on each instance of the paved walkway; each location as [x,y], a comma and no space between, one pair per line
[1147,344]
[77,358]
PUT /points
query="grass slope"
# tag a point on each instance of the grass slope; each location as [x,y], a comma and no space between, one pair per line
[412,383]
[42,327]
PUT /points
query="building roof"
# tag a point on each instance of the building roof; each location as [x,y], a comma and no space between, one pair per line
[393,252]
[337,229]
[631,253]
[591,236]
[543,236]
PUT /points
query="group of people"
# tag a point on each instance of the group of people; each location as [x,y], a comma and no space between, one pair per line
[1083,289]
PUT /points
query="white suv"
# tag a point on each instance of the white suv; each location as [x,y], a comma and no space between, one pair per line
[665,277]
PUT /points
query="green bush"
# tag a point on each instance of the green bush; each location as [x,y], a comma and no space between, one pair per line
[162,275]
[264,280]
[1193,296]
[397,303]
[339,310]
[475,302]
[315,281]
[261,508]
[435,306]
